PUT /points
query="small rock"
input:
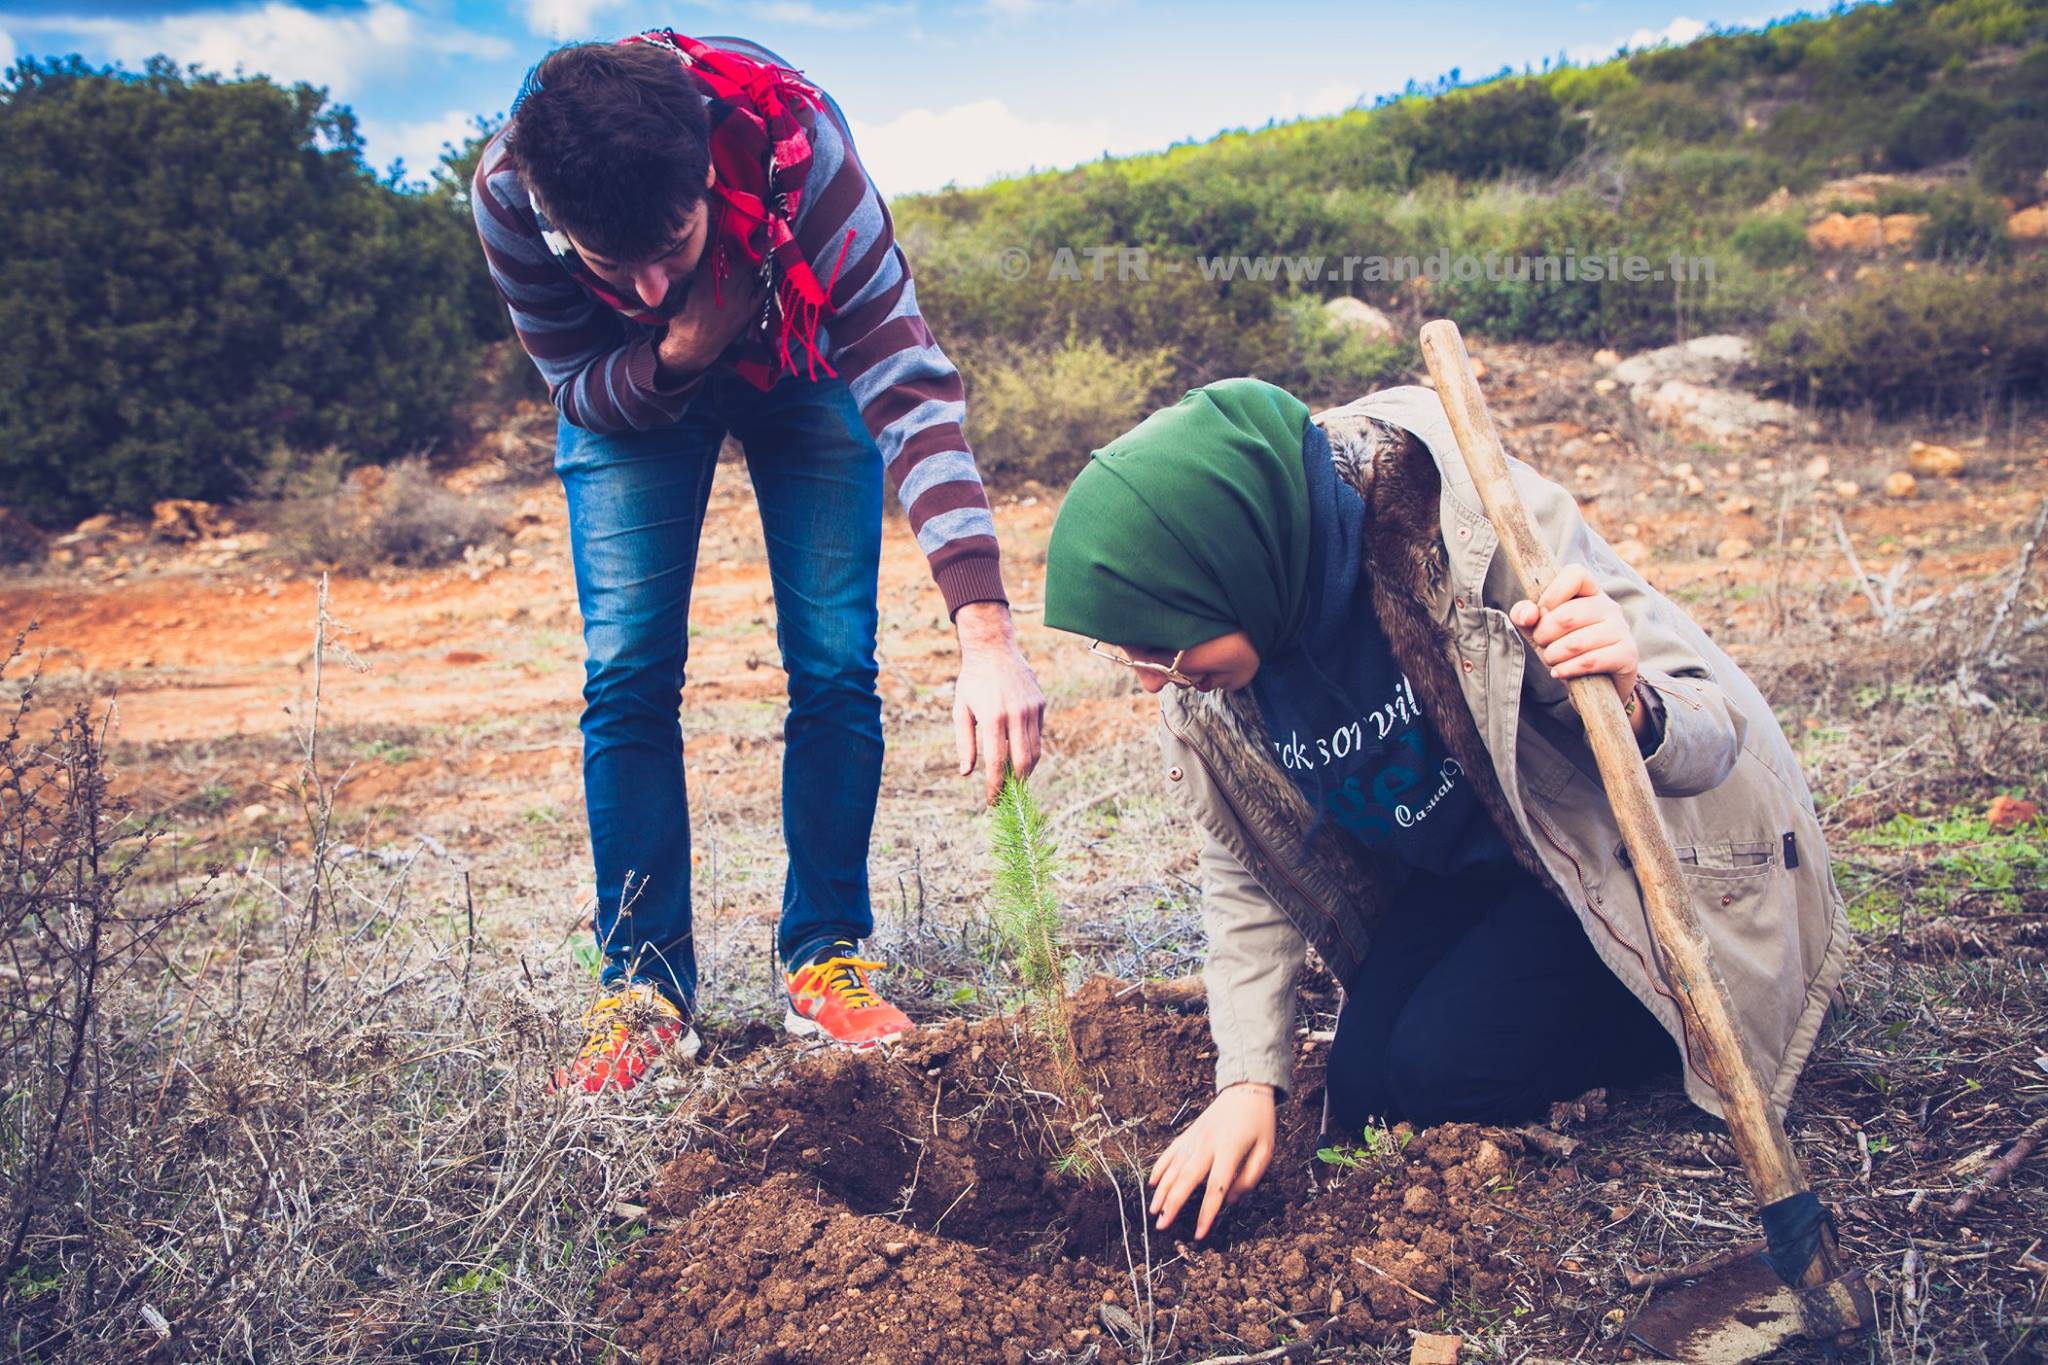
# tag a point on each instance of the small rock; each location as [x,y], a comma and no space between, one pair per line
[253,812]
[1420,1200]
[1632,552]
[1356,315]
[1586,473]
[1900,484]
[1733,548]
[529,513]
[1603,387]
[1695,485]
[93,526]
[894,1250]
[1435,1348]
[1936,462]
[1741,505]
[519,559]
[2029,224]
[181,520]
[1847,489]
[1607,357]
[2006,812]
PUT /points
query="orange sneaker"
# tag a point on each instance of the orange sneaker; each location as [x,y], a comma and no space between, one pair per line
[626,1031]
[830,996]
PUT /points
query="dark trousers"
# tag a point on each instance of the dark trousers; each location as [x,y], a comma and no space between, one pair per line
[1481,1000]
[636,505]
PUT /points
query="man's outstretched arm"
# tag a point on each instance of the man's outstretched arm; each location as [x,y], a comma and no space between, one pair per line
[914,404]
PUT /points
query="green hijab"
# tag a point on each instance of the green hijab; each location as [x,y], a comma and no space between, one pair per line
[1191,525]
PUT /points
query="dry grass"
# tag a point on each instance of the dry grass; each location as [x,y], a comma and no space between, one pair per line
[281,1110]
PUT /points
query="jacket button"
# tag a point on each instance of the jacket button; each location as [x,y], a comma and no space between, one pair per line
[1465,664]
[1464,533]
[1173,774]
[1727,900]
[1461,601]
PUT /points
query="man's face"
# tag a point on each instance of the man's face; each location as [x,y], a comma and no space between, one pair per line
[660,280]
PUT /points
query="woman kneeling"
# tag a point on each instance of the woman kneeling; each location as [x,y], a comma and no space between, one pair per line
[1374,736]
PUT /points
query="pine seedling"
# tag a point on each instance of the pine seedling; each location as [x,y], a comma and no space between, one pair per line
[1026,909]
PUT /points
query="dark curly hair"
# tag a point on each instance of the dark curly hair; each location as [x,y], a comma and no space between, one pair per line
[613,139]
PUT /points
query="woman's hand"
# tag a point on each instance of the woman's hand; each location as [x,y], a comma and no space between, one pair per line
[1579,631]
[1230,1146]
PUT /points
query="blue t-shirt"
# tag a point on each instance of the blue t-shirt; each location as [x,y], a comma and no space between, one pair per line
[1344,720]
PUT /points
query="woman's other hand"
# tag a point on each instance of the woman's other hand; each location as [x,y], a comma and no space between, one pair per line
[1579,631]
[1229,1146]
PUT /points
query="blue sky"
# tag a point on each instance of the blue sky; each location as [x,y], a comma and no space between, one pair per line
[936,90]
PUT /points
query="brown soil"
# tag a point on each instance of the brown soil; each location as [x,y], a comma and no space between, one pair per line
[907,1207]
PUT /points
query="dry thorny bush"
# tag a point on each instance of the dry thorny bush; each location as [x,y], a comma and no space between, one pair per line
[281,1111]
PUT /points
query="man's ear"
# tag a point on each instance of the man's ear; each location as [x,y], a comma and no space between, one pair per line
[710,174]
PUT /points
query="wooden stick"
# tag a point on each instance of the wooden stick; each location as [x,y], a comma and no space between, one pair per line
[1707,1265]
[2021,1149]
[1703,1000]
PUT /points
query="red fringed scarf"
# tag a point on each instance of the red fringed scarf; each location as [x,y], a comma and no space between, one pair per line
[762,156]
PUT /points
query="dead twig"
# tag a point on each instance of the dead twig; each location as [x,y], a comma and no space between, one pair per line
[1288,1352]
[1996,1173]
[1640,1280]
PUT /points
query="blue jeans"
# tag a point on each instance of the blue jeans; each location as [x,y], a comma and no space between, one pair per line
[636,507]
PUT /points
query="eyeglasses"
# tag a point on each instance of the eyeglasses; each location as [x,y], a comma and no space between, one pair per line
[1171,672]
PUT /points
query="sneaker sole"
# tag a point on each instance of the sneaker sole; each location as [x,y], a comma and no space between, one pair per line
[800,1026]
[688,1046]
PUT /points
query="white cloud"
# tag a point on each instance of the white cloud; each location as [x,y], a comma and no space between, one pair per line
[803,12]
[564,19]
[1331,97]
[1677,33]
[340,49]
[969,144]
[1020,9]
[569,19]
[7,52]
[419,142]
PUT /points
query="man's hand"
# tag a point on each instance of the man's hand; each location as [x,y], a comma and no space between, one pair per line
[998,711]
[700,333]
[1230,1146]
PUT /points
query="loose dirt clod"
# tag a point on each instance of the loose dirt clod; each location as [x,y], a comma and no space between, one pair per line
[1435,1348]
[904,1207]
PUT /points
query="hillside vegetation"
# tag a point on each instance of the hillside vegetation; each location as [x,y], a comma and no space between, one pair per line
[204,282]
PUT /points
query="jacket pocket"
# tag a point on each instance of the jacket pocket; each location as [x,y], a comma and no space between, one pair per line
[1748,906]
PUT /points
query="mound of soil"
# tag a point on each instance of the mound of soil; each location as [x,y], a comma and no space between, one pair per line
[912,1206]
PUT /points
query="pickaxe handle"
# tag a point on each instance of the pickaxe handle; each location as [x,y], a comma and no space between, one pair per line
[1760,1141]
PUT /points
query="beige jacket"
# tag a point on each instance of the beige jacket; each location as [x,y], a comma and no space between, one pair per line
[1733,798]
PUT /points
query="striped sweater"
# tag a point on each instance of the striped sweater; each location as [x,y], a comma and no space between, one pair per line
[600,367]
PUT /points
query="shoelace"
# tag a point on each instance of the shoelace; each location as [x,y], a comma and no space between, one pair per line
[842,976]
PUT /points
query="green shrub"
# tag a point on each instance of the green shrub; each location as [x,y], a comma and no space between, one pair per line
[1663,113]
[1329,364]
[1772,241]
[1514,125]
[1037,412]
[1934,338]
[2011,157]
[1964,228]
[194,271]
[1938,126]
